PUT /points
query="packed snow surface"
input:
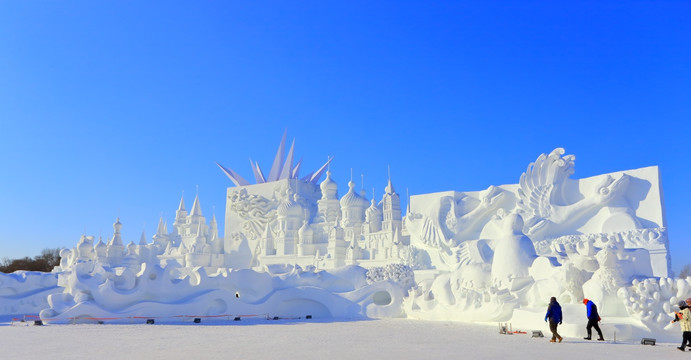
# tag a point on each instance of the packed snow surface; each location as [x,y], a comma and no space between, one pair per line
[263,339]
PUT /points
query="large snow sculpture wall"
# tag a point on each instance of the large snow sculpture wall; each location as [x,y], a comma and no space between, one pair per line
[559,214]
[501,253]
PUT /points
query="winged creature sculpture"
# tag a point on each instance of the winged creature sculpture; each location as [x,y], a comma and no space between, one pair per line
[543,200]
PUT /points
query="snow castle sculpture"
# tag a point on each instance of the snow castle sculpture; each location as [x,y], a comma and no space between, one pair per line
[191,243]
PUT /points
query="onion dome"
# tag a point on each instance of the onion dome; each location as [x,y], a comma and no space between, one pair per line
[329,187]
[100,248]
[85,245]
[117,239]
[117,226]
[352,199]
[289,207]
[373,213]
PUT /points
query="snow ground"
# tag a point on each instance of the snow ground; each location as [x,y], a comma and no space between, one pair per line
[307,339]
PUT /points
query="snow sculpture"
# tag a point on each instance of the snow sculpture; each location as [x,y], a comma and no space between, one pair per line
[493,255]
[455,227]
[279,170]
[293,221]
[25,292]
[191,243]
[122,296]
[514,252]
[594,237]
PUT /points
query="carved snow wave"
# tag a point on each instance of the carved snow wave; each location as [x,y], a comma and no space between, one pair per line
[26,291]
[98,293]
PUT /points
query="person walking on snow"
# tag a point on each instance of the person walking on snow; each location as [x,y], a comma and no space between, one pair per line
[684,318]
[593,319]
[554,317]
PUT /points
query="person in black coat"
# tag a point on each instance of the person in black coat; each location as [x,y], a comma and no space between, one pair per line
[554,317]
[593,319]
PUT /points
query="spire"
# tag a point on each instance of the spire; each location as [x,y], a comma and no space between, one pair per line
[117,238]
[288,165]
[296,170]
[389,188]
[318,174]
[142,239]
[233,176]
[196,208]
[182,203]
[258,175]
[276,167]
[280,169]
[161,230]
[180,213]
[214,224]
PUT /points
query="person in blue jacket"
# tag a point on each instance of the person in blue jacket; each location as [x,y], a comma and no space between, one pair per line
[593,319]
[554,317]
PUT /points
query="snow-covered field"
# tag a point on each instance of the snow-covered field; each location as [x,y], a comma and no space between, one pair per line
[306,339]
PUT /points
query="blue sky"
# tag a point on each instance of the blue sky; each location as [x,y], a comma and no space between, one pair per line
[115,108]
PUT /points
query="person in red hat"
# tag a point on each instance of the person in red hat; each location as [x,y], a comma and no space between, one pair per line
[593,319]
[684,318]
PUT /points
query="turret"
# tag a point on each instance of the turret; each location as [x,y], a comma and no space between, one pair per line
[352,207]
[161,236]
[115,248]
[328,207]
[100,248]
[373,218]
[306,236]
[180,216]
[391,204]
